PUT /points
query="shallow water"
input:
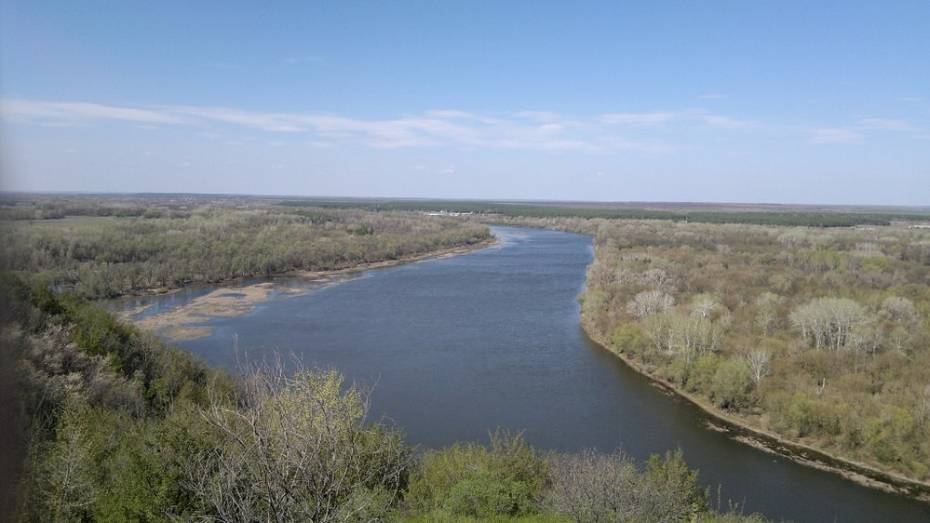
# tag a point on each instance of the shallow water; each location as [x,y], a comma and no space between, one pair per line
[456,347]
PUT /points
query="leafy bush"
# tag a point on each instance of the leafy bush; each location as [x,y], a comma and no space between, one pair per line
[628,337]
[469,479]
[732,384]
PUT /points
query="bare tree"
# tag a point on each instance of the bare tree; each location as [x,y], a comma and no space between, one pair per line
[759,364]
[923,404]
[829,322]
[298,449]
[647,303]
[676,333]
[901,310]
[703,305]
[592,487]
[658,279]
[604,488]
[767,311]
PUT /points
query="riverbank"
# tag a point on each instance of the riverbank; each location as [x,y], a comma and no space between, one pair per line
[332,273]
[441,253]
[186,322]
[740,430]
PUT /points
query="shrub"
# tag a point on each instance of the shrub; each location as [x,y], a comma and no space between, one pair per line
[592,487]
[469,479]
[298,450]
[732,384]
[628,337]
[703,375]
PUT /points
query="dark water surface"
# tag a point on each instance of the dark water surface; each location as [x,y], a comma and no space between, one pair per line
[455,347]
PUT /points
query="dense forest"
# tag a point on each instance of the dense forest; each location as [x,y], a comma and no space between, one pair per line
[818,335]
[115,426]
[821,336]
[112,246]
[669,212]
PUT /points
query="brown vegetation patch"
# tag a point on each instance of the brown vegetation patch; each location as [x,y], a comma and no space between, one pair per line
[183,323]
[186,322]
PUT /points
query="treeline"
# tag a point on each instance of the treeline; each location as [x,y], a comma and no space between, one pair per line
[58,207]
[820,336]
[172,244]
[117,427]
[783,218]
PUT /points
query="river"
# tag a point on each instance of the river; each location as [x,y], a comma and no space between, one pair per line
[455,347]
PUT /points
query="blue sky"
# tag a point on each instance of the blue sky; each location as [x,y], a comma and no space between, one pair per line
[797,102]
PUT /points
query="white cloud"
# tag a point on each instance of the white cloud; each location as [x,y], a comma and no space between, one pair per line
[835,135]
[884,124]
[263,121]
[70,112]
[654,118]
[539,116]
[715,120]
[526,130]
[692,116]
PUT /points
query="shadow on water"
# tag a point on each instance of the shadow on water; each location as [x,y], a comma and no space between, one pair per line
[456,347]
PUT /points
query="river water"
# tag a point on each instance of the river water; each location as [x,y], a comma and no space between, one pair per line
[455,347]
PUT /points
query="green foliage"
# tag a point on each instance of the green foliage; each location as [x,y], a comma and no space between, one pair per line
[123,428]
[818,335]
[468,479]
[679,495]
[64,478]
[175,441]
[703,375]
[788,218]
[297,449]
[628,337]
[732,384]
[118,253]
[439,516]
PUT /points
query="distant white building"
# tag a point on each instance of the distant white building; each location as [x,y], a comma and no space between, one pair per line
[449,213]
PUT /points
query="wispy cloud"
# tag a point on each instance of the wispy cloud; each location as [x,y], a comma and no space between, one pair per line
[692,116]
[654,118]
[862,130]
[543,131]
[521,130]
[70,112]
[884,124]
[716,120]
[306,59]
[835,135]
[539,116]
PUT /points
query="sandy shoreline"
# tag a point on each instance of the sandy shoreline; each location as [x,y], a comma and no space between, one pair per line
[187,322]
[804,454]
[441,253]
